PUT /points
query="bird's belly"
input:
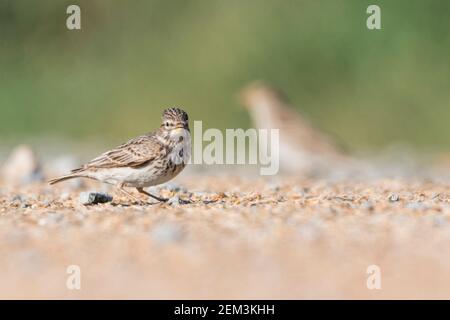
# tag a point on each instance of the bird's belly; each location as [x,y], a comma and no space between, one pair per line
[138,177]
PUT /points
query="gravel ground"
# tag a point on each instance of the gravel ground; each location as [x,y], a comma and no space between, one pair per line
[241,237]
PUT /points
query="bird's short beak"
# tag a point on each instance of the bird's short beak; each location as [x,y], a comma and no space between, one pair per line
[179,129]
[182,126]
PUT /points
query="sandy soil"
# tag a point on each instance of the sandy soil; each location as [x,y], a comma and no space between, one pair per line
[253,238]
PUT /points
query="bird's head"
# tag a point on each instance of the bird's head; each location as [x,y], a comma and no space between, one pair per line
[260,94]
[174,118]
[175,122]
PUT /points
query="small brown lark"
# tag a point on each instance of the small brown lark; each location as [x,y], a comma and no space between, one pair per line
[147,160]
[303,147]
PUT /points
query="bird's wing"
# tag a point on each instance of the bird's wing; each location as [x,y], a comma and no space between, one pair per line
[136,152]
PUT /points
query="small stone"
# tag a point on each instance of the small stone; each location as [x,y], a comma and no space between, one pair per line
[22,201]
[367,205]
[174,201]
[394,197]
[88,198]
[200,194]
[21,167]
[19,198]
[417,206]
[46,202]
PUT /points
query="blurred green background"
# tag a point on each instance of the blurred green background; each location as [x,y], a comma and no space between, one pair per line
[133,58]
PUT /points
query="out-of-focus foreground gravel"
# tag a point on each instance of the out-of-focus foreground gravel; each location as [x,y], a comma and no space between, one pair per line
[241,238]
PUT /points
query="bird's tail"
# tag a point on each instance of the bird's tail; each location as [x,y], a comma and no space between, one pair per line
[66,177]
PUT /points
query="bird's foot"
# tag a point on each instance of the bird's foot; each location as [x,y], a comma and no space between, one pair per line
[182,201]
[160,199]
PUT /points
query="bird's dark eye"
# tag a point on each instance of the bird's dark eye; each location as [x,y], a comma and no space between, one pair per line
[167,124]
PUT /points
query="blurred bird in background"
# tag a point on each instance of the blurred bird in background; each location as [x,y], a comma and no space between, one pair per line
[303,148]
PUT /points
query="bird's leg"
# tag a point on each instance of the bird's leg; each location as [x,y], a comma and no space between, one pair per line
[121,188]
[141,190]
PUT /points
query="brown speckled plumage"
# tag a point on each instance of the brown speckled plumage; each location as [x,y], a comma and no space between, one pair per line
[149,159]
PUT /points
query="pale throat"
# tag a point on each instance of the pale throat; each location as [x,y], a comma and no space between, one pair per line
[180,139]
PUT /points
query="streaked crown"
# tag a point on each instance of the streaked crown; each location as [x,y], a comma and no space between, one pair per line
[175,118]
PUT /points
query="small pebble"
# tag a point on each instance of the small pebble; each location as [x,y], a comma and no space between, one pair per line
[87,198]
[200,194]
[394,197]
[417,206]
[367,205]
[174,201]
[19,198]
[300,191]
